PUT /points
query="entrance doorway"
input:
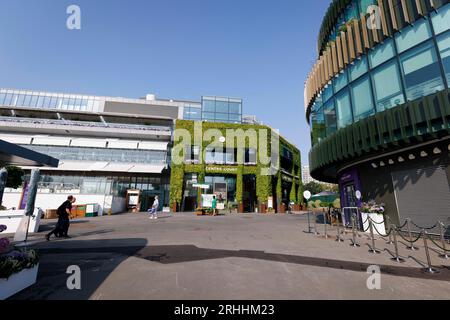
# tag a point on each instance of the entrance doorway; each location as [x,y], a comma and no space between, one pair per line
[249,196]
[148,198]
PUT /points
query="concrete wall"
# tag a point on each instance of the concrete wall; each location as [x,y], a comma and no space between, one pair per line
[53,201]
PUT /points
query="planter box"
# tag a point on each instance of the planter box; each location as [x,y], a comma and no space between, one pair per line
[378,224]
[17,282]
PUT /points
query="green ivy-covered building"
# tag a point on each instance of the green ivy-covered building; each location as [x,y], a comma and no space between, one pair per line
[204,165]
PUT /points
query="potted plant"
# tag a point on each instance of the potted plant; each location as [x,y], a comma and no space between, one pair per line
[18,268]
[375,212]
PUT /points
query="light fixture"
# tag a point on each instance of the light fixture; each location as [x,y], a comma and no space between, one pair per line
[437,151]
[423,154]
[400,159]
[391,161]
[374,165]
[412,157]
[382,164]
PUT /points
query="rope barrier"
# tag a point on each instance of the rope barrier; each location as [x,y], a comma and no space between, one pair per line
[422,228]
[409,240]
[438,245]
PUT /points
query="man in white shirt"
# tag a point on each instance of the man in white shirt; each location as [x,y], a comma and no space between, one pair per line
[154,209]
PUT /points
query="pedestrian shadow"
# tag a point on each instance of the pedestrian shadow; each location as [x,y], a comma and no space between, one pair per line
[97,259]
[190,253]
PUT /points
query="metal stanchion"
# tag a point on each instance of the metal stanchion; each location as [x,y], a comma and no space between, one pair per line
[397,257]
[325,225]
[354,243]
[430,268]
[388,223]
[373,249]
[338,238]
[411,246]
[315,224]
[444,245]
[309,224]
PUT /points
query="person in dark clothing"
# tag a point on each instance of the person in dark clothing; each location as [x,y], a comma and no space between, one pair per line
[64,212]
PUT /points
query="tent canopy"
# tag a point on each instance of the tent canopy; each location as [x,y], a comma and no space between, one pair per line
[12,154]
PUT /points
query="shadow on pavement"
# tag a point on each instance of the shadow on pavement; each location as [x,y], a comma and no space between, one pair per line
[97,259]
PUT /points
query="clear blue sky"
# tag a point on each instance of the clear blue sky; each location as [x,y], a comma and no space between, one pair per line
[259,50]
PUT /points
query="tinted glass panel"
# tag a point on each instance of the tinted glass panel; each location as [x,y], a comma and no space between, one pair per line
[382,53]
[362,99]
[441,19]
[209,106]
[358,69]
[421,72]
[444,48]
[413,35]
[330,117]
[340,81]
[388,90]
[343,108]
[235,107]
[327,93]
[221,106]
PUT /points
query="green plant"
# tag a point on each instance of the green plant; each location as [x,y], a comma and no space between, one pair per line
[15,177]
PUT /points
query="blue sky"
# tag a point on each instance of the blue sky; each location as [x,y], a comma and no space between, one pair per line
[258,50]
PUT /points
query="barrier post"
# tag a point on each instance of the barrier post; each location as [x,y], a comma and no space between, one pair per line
[444,245]
[325,225]
[309,223]
[388,223]
[411,246]
[373,249]
[354,243]
[339,239]
[430,268]
[315,224]
[397,256]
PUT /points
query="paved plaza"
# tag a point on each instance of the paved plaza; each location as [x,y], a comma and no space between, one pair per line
[250,256]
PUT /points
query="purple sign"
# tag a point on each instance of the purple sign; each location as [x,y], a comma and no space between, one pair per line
[23,201]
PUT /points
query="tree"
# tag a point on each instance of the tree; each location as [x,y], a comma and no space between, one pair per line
[313,187]
[15,177]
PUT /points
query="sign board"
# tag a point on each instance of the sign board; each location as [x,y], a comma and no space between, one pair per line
[270,203]
[307,195]
[216,169]
[220,190]
[201,186]
[207,200]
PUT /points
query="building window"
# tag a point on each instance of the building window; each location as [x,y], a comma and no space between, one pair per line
[222,107]
[387,87]
[413,35]
[358,69]
[382,53]
[344,109]
[441,19]
[327,93]
[330,117]
[209,106]
[444,49]
[235,107]
[421,72]
[340,81]
[362,99]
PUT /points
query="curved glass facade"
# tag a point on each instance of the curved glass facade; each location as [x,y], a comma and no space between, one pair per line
[413,64]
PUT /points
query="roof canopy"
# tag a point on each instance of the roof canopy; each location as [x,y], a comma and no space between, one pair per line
[12,154]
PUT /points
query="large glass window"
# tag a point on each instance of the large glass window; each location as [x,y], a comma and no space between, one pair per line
[413,35]
[421,72]
[358,68]
[344,109]
[364,4]
[388,90]
[444,49]
[235,107]
[327,93]
[330,117]
[441,19]
[340,81]
[209,106]
[318,126]
[362,99]
[222,106]
[382,53]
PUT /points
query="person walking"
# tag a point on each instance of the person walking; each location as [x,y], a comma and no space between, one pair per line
[154,209]
[214,206]
[62,226]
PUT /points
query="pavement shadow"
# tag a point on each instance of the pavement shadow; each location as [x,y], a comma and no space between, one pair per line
[188,253]
[97,259]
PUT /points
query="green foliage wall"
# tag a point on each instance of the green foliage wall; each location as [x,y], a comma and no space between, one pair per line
[263,182]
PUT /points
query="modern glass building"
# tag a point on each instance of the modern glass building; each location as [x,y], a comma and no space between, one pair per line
[215,109]
[377,101]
